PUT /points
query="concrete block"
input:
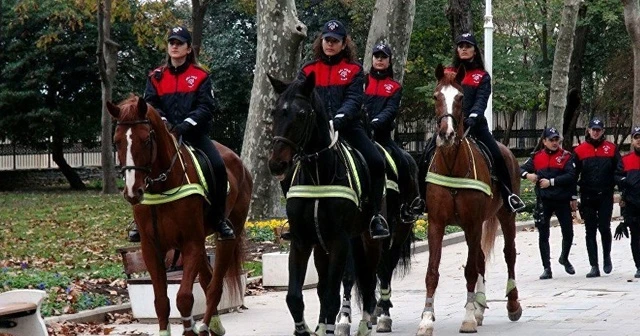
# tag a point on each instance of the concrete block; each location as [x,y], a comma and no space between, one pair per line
[275,270]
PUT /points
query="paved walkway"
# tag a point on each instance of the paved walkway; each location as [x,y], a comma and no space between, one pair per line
[565,305]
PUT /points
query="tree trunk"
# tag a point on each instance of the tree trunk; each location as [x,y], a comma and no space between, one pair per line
[198,11]
[561,62]
[572,111]
[632,22]
[57,154]
[459,16]
[392,23]
[107,62]
[278,51]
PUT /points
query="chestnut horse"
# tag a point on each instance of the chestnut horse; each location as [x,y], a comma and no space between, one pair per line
[152,164]
[459,194]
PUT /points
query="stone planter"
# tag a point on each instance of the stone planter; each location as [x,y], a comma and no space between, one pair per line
[142,297]
[275,271]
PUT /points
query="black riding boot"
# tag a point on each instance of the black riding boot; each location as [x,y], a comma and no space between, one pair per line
[134,235]
[594,272]
[225,227]
[564,257]
[545,255]
[592,252]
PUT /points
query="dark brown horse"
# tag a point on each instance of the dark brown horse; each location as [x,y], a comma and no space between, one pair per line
[152,164]
[461,193]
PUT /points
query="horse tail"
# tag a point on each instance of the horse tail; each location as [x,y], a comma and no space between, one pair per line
[489,231]
[404,263]
[233,278]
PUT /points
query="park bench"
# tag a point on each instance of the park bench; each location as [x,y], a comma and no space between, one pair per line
[141,290]
[20,312]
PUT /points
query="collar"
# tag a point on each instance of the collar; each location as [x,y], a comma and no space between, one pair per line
[332,60]
[595,142]
[179,69]
[379,74]
[550,152]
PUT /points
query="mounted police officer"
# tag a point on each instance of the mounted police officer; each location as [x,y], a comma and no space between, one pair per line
[596,160]
[181,91]
[382,96]
[476,86]
[552,171]
[339,83]
[628,180]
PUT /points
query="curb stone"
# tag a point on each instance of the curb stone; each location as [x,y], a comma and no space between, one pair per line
[98,315]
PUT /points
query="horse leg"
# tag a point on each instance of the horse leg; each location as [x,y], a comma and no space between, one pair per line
[434,235]
[154,260]
[211,318]
[192,255]
[367,252]
[343,327]
[298,260]
[330,296]
[204,278]
[508,225]
[389,261]
[473,235]
[481,298]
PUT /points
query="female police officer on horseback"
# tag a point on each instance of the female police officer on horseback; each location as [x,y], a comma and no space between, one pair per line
[181,92]
[339,83]
[476,86]
[382,100]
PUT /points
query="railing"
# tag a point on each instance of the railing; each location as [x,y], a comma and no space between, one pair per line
[17,157]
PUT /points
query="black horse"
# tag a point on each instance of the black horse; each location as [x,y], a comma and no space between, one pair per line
[325,214]
[403,206]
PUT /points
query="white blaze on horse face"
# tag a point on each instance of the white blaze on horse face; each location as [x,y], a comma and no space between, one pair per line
[450,94]
[130,174]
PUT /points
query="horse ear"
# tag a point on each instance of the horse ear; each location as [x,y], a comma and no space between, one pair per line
[278,85]
[460,74]
[439,72]
[113,109]
[309,84]
[142,108]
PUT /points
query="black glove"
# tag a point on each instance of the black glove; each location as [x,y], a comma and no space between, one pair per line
[621,230]
[182,128]
[470,121]
[338,123]
[168,124]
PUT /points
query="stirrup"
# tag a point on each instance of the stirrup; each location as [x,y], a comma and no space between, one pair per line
[519,204]
[417,206]
[385,228]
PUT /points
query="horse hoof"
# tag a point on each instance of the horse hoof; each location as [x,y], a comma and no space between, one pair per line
[426,324]
[384,324]
[479,315]
[424,331]
[469,327]
[343,329]
[515,316]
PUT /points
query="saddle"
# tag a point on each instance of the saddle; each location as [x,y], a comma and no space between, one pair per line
[486,154]
[391,169]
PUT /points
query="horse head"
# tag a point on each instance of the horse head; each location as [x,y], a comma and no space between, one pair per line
[136,144]
[295,120]
[448,103]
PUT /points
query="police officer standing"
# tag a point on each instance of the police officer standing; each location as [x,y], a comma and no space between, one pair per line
[628,180]
[552,171]
[596,160]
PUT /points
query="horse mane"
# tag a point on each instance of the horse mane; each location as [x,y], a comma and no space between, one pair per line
[129,110]
[295,88]
[449,78]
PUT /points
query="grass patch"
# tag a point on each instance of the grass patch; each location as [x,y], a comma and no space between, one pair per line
[63,243]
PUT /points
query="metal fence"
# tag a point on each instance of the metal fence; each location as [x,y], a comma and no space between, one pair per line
[16,157]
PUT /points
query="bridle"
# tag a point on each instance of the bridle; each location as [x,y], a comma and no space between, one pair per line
[153,152]
[298,147]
